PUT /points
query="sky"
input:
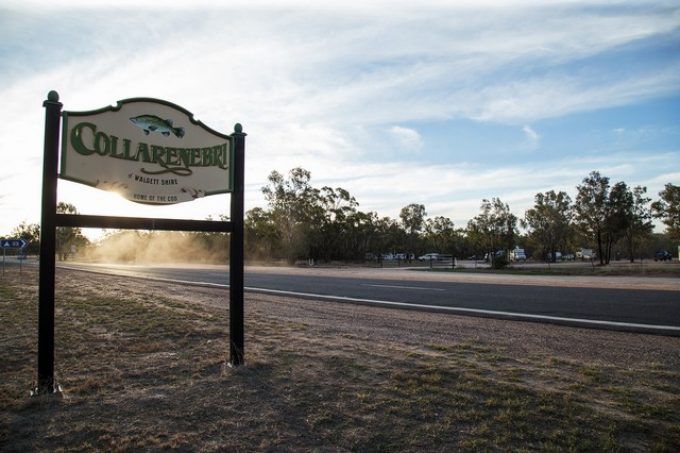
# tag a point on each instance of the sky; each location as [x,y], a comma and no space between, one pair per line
[438,103]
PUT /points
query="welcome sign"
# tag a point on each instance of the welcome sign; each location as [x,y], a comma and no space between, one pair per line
[148,151]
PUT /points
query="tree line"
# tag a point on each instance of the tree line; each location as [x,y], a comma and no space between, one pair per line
[302,222]
[305,222]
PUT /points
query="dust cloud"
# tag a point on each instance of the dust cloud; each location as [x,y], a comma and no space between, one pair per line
[135,247]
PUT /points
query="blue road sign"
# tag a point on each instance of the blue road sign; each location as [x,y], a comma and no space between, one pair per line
[13,243]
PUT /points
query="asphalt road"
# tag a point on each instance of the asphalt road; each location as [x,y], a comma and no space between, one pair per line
[643,310]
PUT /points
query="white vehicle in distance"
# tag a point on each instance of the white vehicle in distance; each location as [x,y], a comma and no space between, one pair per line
[517,255]
[585,254]
[429,257]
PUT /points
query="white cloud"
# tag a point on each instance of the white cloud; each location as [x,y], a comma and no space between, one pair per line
[530,133]
[547,97]
[407,138]
[532,136]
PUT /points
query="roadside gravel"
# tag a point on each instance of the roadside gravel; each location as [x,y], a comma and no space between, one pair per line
[414,329]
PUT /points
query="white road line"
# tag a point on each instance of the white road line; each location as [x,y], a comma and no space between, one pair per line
[385,303]
[404,287]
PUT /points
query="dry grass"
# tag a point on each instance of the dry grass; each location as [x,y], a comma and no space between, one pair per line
[142,367]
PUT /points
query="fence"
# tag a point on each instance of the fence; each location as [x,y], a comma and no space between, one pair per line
[442,262]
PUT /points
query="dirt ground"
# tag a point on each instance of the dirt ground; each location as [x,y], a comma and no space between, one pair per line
[142,366]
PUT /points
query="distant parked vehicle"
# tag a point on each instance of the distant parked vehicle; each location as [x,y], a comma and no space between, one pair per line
[497,254]
[517,255]
[429,257]
[585,254]
[663,255]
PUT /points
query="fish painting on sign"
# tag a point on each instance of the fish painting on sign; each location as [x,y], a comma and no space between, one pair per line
[152,123]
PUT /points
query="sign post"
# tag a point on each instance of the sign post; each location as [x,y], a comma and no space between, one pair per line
[236,339]
[48,246]
[152,152]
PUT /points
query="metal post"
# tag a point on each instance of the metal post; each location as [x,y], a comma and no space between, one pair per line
[236,355]
[46,382]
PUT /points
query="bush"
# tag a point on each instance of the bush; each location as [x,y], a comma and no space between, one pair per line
[500,262]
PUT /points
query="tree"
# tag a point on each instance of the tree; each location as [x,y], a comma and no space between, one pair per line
[293,205]
[262,237]
[619,217]
[440,235]
[494,228]
[362,235]
[668,210]
[68,238]
[638,225]
[30,232]
[549,221]
[412,219]
[333,224]
[606,216]
[591,209]
[390,236]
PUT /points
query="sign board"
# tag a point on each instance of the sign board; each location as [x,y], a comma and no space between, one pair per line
[13,243]
[147,150]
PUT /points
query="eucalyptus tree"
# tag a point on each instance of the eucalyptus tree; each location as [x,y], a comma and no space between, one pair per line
[549,221]
[629,218]
[293,203]
[391,236]
[494,228]
[440,235]
[262,237]
[333,228]
[412,220]
[591,210]
[309,222]
[620,216]
[30,232]
[413,217]
[638,224]
[606,215]
[68,238]
[668,210]
[363,235]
